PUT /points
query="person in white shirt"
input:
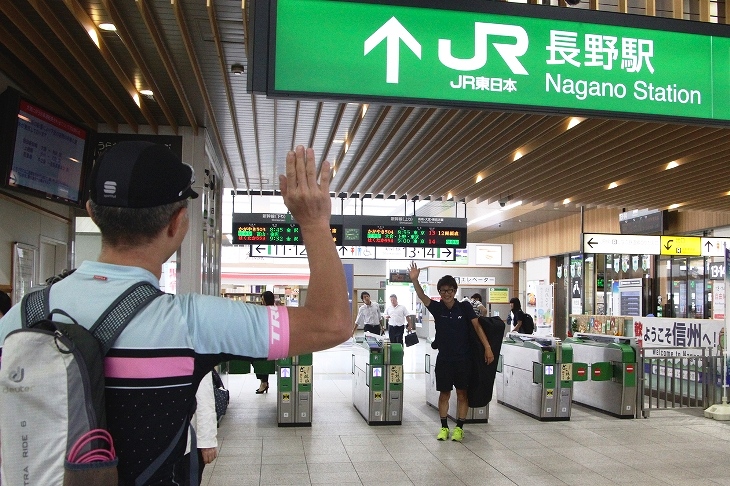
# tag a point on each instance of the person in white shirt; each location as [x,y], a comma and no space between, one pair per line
[397,316]
[368,315]
[205,423]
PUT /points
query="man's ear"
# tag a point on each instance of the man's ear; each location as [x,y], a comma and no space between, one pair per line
[89,211]
[177,221]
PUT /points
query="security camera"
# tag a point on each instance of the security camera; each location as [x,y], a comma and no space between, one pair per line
[572,2]
[237,69]
[503,202]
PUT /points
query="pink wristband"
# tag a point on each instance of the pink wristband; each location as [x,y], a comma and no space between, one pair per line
[278,332]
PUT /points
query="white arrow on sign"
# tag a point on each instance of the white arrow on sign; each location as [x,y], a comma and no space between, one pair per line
[392,32]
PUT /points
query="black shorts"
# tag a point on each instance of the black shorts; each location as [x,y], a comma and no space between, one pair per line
[452,374]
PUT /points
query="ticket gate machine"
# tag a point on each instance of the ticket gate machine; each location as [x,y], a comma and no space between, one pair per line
[294,391]
[377,381]
[534,376]
[609,381]
[473,415]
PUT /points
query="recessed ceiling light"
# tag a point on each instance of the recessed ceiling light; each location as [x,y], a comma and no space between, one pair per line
[479,179]
[146,92]
[518,155]
[674,206]
[672,165]
[574,121]
[566,201]
[108,26]
[612,185]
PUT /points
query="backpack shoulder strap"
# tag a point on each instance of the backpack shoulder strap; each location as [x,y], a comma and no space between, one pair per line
[34,307]
[115,318]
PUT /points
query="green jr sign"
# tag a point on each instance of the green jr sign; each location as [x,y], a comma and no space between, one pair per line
[501,57]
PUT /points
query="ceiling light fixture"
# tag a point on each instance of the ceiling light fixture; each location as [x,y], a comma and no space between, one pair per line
[518,155]
[237,69]
[612,185]
[674,206]
[146,92]
[566,201]
[574,121]
[479,179]
[481,218]
[94,37]
[672,165]
[108,26]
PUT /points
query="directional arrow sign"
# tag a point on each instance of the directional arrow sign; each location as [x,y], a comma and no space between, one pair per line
[392,32]
[629,244]
[492,55]
[714,247]
[681,245]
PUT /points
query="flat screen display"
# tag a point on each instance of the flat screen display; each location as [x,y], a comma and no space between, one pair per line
[43,154]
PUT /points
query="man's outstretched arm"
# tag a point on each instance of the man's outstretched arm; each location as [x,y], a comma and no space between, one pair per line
[324,321]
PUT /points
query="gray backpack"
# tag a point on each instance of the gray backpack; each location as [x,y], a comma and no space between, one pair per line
[53,416]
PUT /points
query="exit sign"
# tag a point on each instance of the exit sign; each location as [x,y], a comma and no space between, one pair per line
[495,55]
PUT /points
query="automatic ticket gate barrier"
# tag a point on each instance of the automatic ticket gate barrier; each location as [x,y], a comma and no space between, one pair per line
[609,381]
[294,391]
[377,381]
[473,415]
[534,376]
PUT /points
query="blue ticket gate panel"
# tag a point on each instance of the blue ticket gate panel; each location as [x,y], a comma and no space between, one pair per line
[610,381]
[534,376]
[294,391]
[377,381]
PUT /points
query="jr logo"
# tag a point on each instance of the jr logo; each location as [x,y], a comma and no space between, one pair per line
[17,374]
[508,52]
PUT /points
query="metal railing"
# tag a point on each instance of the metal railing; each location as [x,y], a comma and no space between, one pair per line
[672,378]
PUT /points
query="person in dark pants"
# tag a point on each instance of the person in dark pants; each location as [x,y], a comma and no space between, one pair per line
[368,315]
[452,320]
[397,316]
[267,298]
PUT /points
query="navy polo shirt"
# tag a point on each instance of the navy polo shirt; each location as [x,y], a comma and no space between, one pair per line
[452,329]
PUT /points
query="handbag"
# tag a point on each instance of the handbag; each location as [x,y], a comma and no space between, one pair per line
[411,338]
[221,395]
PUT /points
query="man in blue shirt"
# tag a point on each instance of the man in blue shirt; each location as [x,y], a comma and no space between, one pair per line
[452,320]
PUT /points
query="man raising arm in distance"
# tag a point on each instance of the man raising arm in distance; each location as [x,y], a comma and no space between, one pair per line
[452,337]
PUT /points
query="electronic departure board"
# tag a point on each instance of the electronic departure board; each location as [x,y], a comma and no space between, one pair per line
[414,236]
[354,230]
[272,229]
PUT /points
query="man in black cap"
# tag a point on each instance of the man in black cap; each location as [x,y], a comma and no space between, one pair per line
[139,200]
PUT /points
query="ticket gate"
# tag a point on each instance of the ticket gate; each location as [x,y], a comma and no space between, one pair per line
[608,383]
[473,415]
[294,391]
[377,381]
[534,376]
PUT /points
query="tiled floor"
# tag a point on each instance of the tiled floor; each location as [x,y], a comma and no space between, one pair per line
[670,448]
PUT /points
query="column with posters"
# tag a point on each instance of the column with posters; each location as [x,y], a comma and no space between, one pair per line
[544,321]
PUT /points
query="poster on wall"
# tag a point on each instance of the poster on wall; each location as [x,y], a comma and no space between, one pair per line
[544,304]
[718,300]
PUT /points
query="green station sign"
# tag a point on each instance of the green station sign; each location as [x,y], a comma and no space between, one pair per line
[497,55]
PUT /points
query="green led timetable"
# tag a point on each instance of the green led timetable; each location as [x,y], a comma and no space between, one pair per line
[504,55]
[354,230]
[414,236]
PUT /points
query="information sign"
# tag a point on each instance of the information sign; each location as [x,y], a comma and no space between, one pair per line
[355,231]
[269,228]
[520,57]
[498,295]
[681,245]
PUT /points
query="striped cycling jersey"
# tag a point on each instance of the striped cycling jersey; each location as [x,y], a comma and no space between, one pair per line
[154,367]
